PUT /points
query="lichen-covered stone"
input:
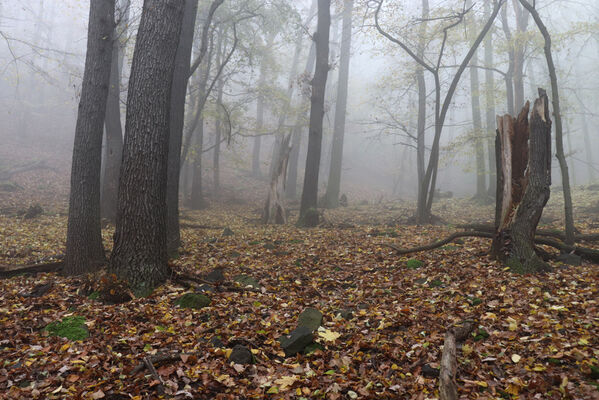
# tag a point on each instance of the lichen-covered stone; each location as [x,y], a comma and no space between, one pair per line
[246,280]
[296,341]
[310,318]
[193,300]
[72,328]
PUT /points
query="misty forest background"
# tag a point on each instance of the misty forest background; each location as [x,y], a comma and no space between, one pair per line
[299,199]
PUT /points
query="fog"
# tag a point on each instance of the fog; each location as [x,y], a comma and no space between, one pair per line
[42,56]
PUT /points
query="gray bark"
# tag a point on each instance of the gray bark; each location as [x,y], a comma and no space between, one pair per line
[308,214]
[490,105]
[140,252]
[84,250]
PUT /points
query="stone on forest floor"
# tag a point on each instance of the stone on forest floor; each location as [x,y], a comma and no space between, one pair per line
[435,283]
[241,355]
[246,280]
[296,341]
[421,281]
[33,212]
[216,275]
[310,318]
[570,259]
[362,306]
[203,288]
[228,232]
[193,300]
[72,328]
[429,371]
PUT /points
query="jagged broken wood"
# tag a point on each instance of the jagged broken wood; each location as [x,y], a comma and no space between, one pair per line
[448,388]
[274,209]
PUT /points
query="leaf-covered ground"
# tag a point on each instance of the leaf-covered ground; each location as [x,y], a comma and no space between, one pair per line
[538,335]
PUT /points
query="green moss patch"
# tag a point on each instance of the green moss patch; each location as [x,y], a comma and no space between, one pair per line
[193,300]
[414,264]
[72,328]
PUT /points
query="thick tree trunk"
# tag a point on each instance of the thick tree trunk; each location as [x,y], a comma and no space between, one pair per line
[481,188]
[526,174]
[256,170]
[308,207]
[421,128]
[509,76]
[519,44]
[140,253]
[177,119]
[113,152]
[334,182]
[218,121]
[84,250]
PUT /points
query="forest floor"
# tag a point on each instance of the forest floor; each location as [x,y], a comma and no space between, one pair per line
[384,322]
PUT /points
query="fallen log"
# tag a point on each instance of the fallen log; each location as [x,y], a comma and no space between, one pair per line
[7,271]
[448,388]
[440,243]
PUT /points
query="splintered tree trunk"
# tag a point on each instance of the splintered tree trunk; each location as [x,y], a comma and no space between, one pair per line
[525,154]
[274,209]
[84,249]
[140,254]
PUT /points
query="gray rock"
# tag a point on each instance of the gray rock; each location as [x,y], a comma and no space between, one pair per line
[228,232]
[216,342]
[296,341]
[570,259]
[310,318]
[241,355]
[205,288]
[345,314]
[193,300]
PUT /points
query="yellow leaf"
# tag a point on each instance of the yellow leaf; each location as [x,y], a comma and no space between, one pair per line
[539,368]
[65,347]
[516,358]
[467,349]
[329,335]
[482,384]
[285,382]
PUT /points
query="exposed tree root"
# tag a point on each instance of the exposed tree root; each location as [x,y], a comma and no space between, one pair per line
[7,271]
[440,243]
[584,252]
[589,237]
[448,388]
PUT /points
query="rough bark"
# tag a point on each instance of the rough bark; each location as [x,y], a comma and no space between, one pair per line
[559,142]
[84,250]
[526,171]
[509,76]
[177,119]
[519,46]
[140,253]
[275,211]
[334,182]
[113,152]
[308,206]
[421,127]
[448,388]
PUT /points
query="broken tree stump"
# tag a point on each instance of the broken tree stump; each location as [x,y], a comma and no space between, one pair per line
[274,210]
[525,177]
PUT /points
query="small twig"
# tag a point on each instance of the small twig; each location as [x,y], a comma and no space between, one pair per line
[150,367]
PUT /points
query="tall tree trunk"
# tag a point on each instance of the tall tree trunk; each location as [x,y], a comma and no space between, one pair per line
[559,142]
[113,151]
[334,183]
[479,152]
[177,119]
[308,207]
[421,127]
[519,44]
[218,119]
[140,252]
[298,128]
[526,176]
[490,105]
[84,250]
[256,170]
[587,142]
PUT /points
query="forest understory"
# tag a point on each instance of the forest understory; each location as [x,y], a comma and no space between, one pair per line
[384,316]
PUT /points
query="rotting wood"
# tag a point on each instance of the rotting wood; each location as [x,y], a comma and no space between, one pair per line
[448,389]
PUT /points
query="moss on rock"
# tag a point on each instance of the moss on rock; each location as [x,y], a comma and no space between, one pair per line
[72,328]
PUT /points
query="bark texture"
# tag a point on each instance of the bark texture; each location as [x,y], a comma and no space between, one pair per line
[84,251]
[526,176]
[308,207]
[140,253]
[275,211]
[177,119]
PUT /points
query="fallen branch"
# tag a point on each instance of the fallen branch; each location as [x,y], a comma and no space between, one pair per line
[150,367]
[587,237]
[448,389]
[7,271]
[196,226]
